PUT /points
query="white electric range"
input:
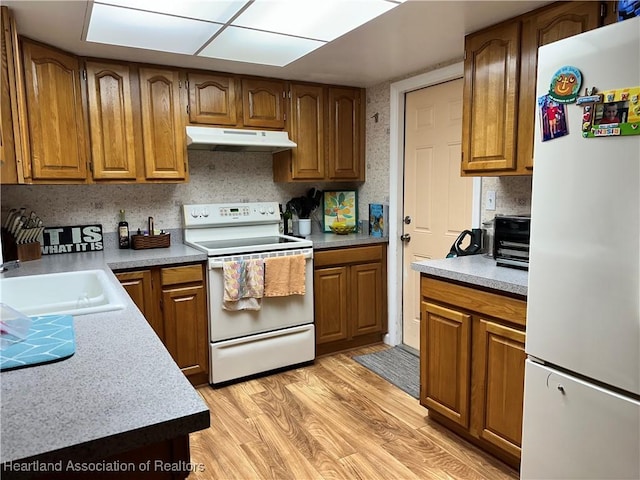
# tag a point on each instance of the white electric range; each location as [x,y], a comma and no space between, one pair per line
[247,342]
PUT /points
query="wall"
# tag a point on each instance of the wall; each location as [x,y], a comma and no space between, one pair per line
[215,177]
[513,194]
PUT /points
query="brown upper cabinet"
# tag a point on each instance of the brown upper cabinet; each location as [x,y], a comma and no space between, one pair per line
[10,141]
[500,70]
[111,120]
[56,123]
[327,125]
[263,103]
[228,100]
[346,134]
[163,129]
[214,99]
[136,125]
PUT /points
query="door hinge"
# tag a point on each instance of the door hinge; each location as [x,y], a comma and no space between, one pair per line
[84,74]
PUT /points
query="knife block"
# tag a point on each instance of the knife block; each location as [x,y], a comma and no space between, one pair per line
[23,251]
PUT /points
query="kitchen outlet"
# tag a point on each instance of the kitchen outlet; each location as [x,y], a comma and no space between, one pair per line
[491,200]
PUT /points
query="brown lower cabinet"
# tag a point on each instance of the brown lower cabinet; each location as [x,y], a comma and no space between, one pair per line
[174,302]
[472,364]
[350,297]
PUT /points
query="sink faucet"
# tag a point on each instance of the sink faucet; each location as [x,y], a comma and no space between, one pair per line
[9,265]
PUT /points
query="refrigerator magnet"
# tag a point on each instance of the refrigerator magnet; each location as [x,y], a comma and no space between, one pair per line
[616,114]
[553,119]
[565,84]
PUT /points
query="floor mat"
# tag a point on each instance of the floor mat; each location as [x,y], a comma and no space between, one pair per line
[396,365]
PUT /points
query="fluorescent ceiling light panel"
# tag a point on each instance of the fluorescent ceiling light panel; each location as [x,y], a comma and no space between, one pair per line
[152,31]
[219,11]
[317,19]
[254,46]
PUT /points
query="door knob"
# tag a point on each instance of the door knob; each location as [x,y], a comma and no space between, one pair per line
[405,237]
[407,220]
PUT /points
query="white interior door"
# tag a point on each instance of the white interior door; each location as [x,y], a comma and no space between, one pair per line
[437,200]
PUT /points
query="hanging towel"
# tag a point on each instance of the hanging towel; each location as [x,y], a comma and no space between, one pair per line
[243,284]
[284,276]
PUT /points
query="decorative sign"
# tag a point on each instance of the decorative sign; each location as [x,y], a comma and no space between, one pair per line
[79,238]
[565,85]
[611,113]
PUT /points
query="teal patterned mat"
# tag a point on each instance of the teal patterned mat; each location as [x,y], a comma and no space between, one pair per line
[50,338]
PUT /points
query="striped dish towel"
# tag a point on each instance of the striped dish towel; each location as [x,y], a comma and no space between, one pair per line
[243,284]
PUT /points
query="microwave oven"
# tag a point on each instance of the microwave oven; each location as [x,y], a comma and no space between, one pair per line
[511,241]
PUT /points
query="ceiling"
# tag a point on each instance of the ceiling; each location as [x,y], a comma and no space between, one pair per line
[410,38]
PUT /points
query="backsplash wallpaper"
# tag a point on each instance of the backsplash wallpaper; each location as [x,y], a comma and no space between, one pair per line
[230,177]
[215,177]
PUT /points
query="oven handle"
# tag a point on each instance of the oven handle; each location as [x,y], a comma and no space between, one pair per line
[219,262]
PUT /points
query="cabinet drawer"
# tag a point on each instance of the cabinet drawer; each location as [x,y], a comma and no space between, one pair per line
[486,303]
[343,256]
[186,274]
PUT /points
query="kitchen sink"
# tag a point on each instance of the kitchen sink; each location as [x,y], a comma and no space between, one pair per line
[73,293]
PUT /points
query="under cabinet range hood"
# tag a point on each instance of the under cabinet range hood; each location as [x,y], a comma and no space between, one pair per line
[235,140]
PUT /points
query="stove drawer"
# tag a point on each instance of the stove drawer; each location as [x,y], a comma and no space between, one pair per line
[240,357]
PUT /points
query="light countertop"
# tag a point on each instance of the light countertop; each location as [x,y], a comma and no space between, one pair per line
[476,270]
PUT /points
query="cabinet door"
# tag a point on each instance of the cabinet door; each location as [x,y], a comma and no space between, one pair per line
[162,125]
[8,162]
[498,385]
[139,286]
[559,21]
[491,65]
[445,339]
[306,127]
[185,327]
[111,121]
[263,103]
[345,136]
[212,99]
[57,127]
[365,299]
[330,286]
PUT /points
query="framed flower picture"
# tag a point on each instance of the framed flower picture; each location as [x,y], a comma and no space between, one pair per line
[340,207]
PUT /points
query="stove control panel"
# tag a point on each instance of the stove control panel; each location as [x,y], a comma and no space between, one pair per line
[223,214]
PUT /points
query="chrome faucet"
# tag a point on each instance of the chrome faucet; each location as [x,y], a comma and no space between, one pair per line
[9,265]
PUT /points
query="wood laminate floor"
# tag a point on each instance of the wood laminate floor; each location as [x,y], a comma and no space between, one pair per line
[334,419]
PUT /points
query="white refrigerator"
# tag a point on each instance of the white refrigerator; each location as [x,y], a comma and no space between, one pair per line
[582,374]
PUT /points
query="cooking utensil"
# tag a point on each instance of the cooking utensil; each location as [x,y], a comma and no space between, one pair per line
[10,216]
[15,225]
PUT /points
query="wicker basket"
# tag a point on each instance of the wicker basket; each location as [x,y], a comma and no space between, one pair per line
[140,242]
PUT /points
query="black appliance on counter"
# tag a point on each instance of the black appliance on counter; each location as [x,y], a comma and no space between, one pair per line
[511,241]
[474,247]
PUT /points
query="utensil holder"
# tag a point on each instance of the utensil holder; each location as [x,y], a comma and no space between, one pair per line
[19,251]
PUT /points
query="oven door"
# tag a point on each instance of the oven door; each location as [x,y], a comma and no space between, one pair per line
[275,312]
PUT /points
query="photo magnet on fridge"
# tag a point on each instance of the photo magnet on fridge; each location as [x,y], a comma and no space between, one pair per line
[553,118]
